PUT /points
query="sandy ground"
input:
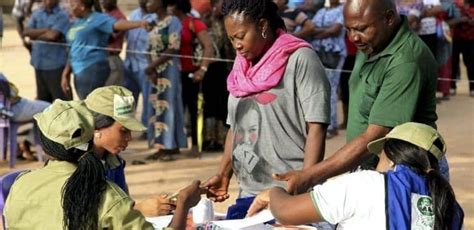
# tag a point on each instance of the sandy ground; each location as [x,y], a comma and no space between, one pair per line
[455,123]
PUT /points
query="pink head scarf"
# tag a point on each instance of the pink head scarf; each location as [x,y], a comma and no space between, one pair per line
[245,79]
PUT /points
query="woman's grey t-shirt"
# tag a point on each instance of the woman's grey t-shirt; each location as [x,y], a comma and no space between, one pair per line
[270,129]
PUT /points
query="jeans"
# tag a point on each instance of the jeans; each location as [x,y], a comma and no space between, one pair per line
[334,76]
[137,81]
[91,78]
[24,109]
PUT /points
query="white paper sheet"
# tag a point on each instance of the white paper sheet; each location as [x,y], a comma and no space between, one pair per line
[160,222]
[252,223]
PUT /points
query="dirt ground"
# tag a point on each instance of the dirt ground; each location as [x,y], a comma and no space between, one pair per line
[455,123]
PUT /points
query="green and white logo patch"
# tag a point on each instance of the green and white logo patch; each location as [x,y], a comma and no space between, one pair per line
[123,106]
[422,215]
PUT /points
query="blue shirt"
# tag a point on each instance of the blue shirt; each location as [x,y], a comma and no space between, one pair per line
[48,56]
[137,40]
[325,18]
[86,34]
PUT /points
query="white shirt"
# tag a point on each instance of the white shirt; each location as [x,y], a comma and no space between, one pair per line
[354,201]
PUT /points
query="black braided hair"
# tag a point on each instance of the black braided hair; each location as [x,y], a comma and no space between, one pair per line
[82,192]
[255,10]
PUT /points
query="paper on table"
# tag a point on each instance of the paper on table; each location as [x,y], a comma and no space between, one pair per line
[160,222]
[254,222]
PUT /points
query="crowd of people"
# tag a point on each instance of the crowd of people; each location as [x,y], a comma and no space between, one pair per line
[270,111]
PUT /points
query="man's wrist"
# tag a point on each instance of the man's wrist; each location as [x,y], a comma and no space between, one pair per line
[203,68]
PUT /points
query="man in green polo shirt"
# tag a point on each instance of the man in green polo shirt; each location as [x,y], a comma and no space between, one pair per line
[393,82]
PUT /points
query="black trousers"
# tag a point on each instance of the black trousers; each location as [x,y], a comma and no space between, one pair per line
[344,82]
[48,85]
[466,48]
[214,87]
[190,96]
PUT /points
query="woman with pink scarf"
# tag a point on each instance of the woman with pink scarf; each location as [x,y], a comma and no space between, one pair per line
[278,103]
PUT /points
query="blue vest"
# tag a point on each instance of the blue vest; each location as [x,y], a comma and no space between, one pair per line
[408,203]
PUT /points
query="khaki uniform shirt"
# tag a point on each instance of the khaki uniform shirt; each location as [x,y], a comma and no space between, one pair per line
[34,202]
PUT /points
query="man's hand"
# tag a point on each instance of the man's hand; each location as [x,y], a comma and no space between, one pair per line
[151,73]
[217,186]
[297,181]
[156,206]
[198,75]
[260,202]
[26,44]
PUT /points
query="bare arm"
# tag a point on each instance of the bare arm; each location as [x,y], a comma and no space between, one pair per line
[162,58]
[123,25]
[33,34]
[51,35]
[225,167]
[208,52]
[315,144]
[346,158]
[306,30]
[292,210]
[43,34]
[66,79]
[19,26]
[332,31]
[218,185]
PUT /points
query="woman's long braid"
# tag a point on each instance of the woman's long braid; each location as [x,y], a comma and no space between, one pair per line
[82,192]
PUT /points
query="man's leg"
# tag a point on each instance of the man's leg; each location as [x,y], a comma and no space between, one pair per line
[53,77]
[468,57]
[42,92]
[25,109]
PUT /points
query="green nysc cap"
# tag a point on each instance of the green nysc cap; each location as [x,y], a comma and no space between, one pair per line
[116,102]
[68,123]
[421,135]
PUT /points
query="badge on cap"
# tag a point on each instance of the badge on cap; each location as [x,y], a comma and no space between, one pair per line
[123,106]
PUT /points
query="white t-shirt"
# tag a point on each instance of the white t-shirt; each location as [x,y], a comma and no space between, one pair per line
[428,24]
[354,201]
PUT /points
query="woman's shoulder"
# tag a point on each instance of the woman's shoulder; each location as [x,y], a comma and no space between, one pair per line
[305,53]
[360,177]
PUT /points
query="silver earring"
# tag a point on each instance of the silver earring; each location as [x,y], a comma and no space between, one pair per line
[264,36]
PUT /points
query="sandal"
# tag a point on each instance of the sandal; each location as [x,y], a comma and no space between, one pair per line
[166,158]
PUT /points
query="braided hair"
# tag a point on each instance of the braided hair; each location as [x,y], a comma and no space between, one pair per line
[424,163]
[82,192]
[255,10]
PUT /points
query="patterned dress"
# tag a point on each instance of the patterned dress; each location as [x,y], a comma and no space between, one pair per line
[166,125]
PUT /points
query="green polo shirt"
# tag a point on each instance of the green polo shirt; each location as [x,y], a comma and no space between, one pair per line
[394,86]
[34,202]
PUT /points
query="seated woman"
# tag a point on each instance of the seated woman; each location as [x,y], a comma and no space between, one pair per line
[113,111]
[71,190]
[407,192]
[22,111]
